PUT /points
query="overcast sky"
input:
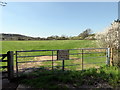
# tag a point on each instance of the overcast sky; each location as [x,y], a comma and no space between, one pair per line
[42,19]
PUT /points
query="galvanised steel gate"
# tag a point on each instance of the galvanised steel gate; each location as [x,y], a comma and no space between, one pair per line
[67,59]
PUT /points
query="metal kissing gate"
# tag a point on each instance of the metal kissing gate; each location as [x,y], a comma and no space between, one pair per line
[69,59]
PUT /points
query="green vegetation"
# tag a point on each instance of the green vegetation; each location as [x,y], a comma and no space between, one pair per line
[50,44]
[44,78]
[87,35]
[55,44]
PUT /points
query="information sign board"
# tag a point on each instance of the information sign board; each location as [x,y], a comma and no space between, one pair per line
[62,54]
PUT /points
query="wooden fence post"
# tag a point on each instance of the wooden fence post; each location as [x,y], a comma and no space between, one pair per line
[10,56]
[111,56]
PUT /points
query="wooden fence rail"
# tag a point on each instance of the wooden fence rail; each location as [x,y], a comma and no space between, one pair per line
[9,67]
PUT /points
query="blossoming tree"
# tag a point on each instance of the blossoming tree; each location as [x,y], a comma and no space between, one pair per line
[110,38]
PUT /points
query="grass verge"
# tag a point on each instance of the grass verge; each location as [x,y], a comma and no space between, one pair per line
[100,78]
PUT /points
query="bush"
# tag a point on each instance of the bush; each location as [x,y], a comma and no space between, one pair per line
[76,79]
[110,38]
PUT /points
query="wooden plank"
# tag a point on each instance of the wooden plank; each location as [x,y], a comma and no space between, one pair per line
[4,72]
[3,55]
[3,66]
[111,58]
[3,60]
[4,77]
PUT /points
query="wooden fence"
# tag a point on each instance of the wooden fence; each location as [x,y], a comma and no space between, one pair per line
[7,69]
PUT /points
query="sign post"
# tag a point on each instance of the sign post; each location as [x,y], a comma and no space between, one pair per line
[63,55]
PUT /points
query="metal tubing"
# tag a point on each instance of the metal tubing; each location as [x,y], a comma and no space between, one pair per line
[52,66]
[63,65]
[52,60]
[82,59]
[61,49]
[108,57]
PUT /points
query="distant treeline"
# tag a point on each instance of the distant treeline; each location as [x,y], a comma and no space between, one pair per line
[85,35]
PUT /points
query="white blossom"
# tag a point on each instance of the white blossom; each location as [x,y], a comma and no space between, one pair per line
[110,37]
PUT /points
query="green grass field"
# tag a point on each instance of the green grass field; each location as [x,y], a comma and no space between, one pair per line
[71,77]
[51,44]
[54,44]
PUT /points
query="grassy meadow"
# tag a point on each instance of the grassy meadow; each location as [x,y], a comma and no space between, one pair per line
[47,45]
[72,77]
[54,44]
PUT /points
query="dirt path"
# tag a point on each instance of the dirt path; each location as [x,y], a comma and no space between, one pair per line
[36,64]
[45,58]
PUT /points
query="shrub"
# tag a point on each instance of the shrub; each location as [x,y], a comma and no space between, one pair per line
[110,38]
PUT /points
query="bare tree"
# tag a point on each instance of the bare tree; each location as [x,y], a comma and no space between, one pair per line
[85,33]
